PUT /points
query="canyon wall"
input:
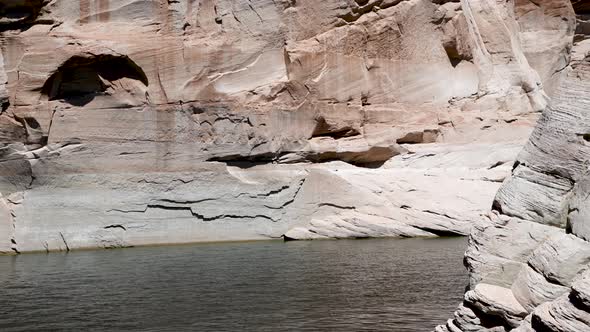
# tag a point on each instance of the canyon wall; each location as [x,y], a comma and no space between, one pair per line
[529,259]
[136,122]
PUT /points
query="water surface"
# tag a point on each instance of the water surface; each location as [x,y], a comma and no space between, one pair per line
[348,285]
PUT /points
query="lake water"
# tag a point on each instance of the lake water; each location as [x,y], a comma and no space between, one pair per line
[347,285]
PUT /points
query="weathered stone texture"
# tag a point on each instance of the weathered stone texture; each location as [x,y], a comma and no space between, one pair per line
[535,244]
[132,122]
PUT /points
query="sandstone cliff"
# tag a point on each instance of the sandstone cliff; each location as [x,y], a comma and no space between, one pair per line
[529,259]
[133,122]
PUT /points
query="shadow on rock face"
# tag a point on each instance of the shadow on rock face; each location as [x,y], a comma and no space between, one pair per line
[581,6]
[19,14]
[80,79]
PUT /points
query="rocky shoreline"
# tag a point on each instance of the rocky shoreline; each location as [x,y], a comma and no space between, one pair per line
[145,122]
[529,259]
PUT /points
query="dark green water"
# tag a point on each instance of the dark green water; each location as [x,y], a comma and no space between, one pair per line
[357,285]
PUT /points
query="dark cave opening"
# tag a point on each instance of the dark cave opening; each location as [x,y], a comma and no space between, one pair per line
[19,14]
[80,79]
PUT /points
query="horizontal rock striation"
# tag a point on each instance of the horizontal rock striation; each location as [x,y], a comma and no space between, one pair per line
[136,122]
[529,259]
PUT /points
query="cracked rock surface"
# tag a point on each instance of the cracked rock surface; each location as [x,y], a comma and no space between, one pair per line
[529,259]
[133,122]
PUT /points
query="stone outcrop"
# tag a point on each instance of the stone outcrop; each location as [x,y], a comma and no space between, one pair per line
[529,258]
[135,122]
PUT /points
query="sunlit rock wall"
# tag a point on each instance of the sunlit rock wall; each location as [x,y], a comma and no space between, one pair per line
[135,122]
[529,259]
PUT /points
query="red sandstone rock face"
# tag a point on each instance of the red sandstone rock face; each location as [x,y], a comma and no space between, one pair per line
[203,120]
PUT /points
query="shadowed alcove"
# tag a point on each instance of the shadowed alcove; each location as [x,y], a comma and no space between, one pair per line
[80,79]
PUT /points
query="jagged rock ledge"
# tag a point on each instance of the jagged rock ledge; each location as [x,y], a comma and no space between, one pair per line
[232,120]
[529,260]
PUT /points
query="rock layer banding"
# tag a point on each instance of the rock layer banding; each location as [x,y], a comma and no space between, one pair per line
[529,258]
[132,122]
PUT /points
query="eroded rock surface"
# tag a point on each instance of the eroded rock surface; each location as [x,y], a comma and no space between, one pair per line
[529,258]
[128,122]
